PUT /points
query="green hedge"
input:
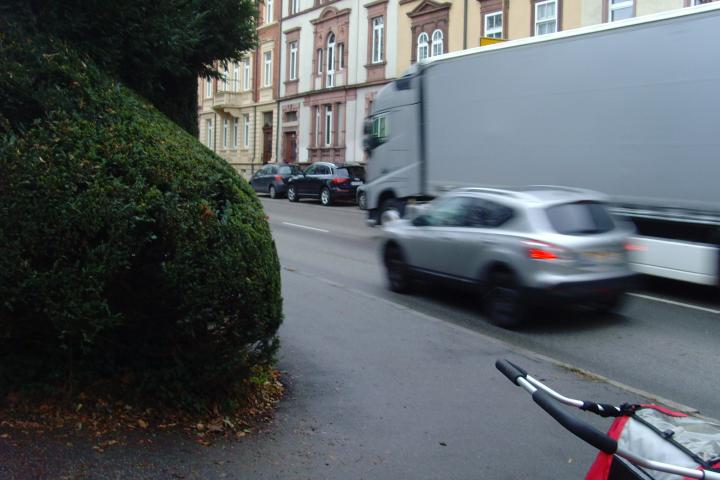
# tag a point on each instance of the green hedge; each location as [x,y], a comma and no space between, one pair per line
[129,249]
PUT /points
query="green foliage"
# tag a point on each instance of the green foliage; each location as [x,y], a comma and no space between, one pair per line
[157,48]
[129,249]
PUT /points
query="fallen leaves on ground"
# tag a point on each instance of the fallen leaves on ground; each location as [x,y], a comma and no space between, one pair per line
[107,420]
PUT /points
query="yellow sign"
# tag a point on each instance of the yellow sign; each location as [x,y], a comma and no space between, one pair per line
[489,41]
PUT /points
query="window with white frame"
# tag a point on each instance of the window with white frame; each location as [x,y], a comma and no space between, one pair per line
[209,133]
[700,2]
[226,127]
[341,55]
[208,87]
[236,131]
[422,46]
[620,9]
[236,77]
[330,77]
[294,6]
[246,74]
[378,24]
[268,11]
[293,60]
[494,25]
[317,126]
[246,130]
[546,17]
[437,43]
[225,78]
[328,125]
[267,77]
[319,61]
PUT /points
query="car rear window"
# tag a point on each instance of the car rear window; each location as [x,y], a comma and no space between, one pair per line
[580,218]
[351,172]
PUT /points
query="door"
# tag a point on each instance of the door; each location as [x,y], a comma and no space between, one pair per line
[267,143]
[290,147]
[317,181]
[442,245]
[302,182]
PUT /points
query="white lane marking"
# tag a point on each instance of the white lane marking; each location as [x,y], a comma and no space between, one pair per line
[306,227]
[673,302]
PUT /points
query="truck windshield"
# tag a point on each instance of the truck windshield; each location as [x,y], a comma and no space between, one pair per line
[580,218]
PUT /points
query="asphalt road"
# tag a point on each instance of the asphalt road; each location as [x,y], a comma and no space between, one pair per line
[666,349]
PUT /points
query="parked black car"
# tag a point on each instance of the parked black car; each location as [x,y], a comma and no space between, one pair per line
[272,178]
[327,181]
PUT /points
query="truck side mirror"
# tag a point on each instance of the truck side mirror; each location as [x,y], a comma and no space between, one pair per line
[370,143]
[367,127]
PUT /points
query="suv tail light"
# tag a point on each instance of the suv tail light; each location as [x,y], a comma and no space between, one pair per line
[338,181]
[278,178]
[537,250]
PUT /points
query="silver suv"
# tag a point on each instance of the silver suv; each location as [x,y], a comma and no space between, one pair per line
[522,246]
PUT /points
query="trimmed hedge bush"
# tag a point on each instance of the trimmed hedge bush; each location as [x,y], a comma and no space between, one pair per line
[129,249]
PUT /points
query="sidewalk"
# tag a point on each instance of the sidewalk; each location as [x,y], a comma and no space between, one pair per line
[375,391]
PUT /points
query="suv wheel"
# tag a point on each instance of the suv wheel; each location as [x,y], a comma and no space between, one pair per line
[273,192]
[397,270]
[505,302]
[326,197]
[292,194]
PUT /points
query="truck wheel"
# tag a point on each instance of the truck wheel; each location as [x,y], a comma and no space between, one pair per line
[326,197]
[505,302]
[292,194]
[398,276]
[391,204]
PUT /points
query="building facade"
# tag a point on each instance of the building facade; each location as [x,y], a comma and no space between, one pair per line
[238,115]
[336,55]
[302,96]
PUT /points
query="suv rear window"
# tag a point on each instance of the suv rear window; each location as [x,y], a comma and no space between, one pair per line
[580,218]
[351,172]
[289,170]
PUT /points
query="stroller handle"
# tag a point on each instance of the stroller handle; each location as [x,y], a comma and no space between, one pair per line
[576,426]
[510,370]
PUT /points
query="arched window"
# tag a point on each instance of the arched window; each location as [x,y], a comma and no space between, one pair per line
[422,46]
[330,60]
[437,43]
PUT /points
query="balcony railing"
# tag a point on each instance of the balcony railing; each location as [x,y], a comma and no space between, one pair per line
[231,95]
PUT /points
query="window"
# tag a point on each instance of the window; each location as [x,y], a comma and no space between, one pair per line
[322,170]
[293,60]
[317,126]
[328,125]
[377,39]
[351,172]
[546,17]
[225,132]
[620,9]
[700,2]
[291,117]
[494,25]
[437,43]
[580,218]
[268,11]
[341,55]
[294,6]
[210,134]
[225,75]
[319,61]
[312,170]
[236,131]
[448,212]
[268,69]
[330,82]
[236,77]
[289,170]
[487,214]
[246,130]
[208,87]
[246,73]
[422,46]
[380,128]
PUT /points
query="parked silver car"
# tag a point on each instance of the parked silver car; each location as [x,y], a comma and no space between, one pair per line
[522,246]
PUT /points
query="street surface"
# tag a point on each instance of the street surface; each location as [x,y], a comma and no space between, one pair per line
[665,349]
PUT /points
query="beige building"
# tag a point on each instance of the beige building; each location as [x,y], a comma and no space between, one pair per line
[237,115]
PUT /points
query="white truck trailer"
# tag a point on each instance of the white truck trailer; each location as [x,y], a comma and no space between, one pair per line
[630,109]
